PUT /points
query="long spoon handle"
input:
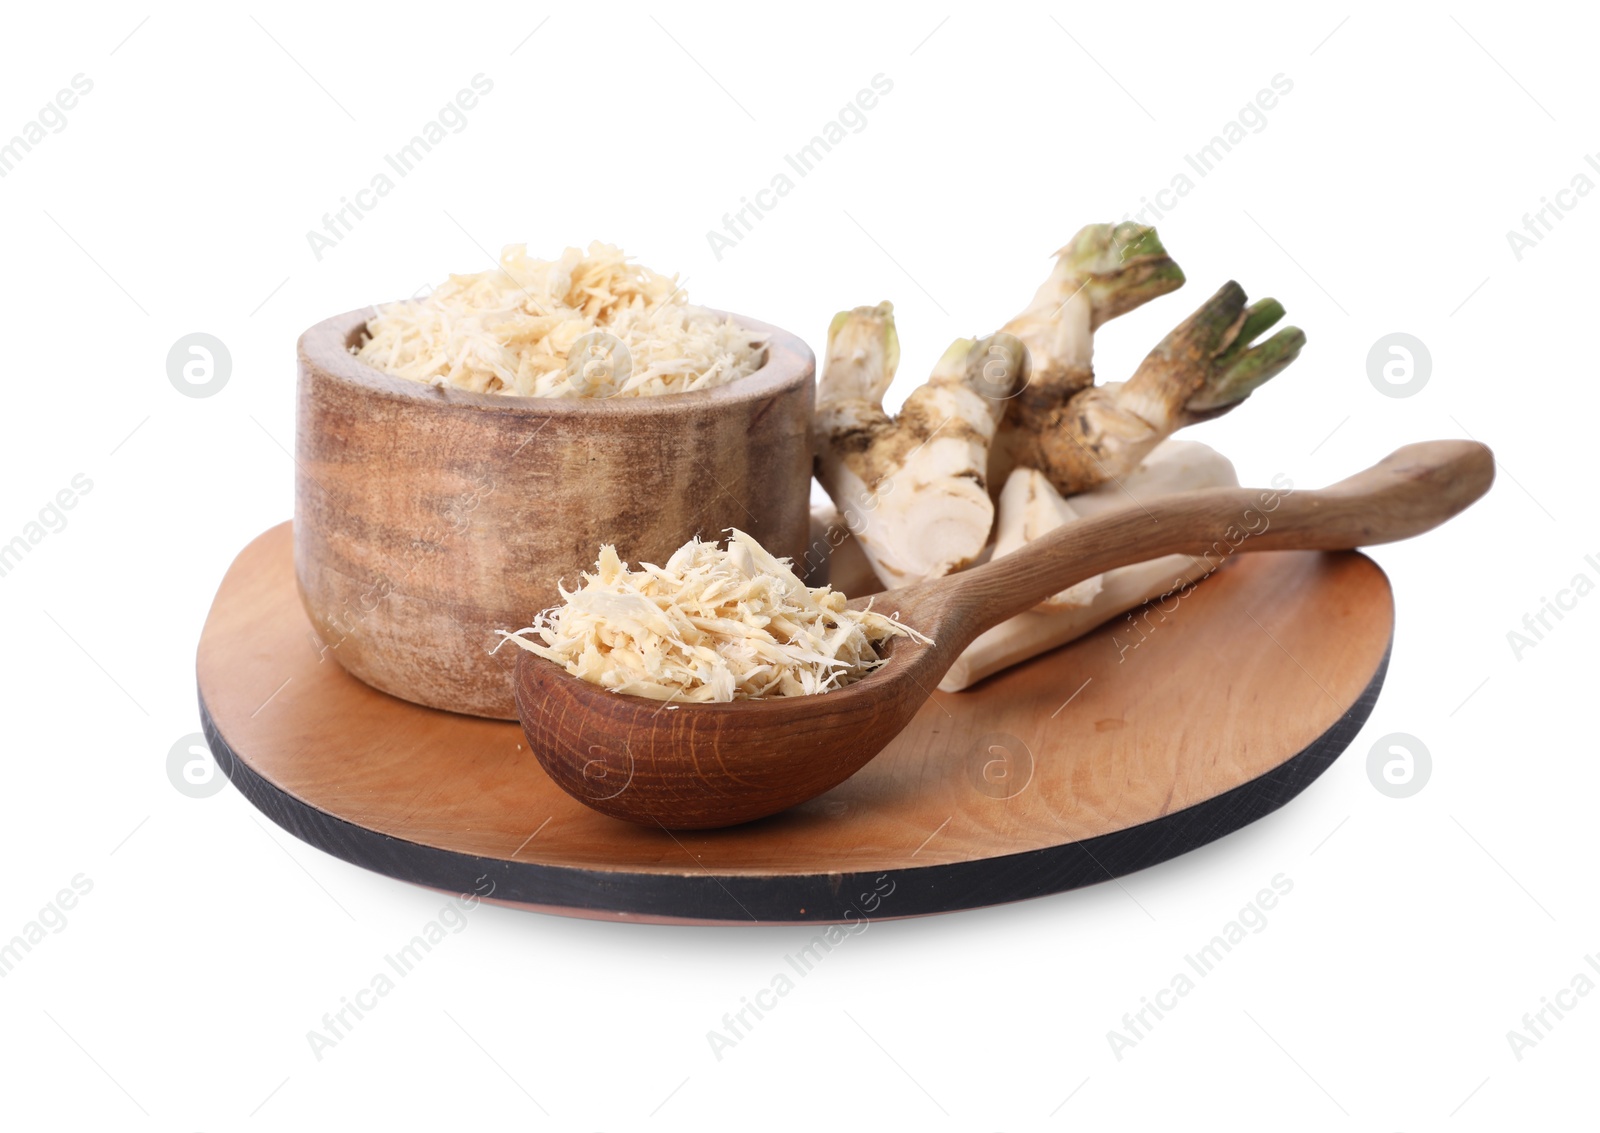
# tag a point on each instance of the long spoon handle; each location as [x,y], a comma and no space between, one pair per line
[1412,490]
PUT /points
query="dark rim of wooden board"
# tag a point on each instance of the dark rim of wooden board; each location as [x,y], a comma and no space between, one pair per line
[704,896]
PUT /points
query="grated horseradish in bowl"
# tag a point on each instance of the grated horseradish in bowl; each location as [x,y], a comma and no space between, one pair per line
[459,455]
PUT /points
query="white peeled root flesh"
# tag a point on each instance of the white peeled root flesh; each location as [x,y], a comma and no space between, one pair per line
[1030,507]
[927,527]
[933,513]
[913,486]
[912,528]
[1173,466]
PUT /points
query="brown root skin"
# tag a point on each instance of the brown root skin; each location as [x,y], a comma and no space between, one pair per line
[1204,368]
[1025,397]
[914,485]
[1084,443]
[1048,391]
[889,448]
[1106,270]
[875,446]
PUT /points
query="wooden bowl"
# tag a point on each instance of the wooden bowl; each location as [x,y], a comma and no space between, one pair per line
[428,518]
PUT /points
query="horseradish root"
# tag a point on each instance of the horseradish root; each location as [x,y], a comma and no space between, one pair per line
[585,325]
[1051,447]
[1030,507]
[1173,466]
[1204,368]
[1105,271]
[915,486]
[712,624]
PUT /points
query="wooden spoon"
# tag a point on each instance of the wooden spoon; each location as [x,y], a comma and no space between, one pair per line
[690,766]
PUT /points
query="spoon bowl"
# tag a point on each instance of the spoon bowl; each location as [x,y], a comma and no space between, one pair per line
[696,766]
[689,766]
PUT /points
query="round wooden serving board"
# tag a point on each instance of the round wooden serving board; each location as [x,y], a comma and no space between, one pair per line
[1098,759]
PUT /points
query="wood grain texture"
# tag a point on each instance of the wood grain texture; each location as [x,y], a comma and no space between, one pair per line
[1134,744]
[686,766]
[428,518]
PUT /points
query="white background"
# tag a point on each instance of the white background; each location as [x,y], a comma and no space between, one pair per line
[1377,199]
